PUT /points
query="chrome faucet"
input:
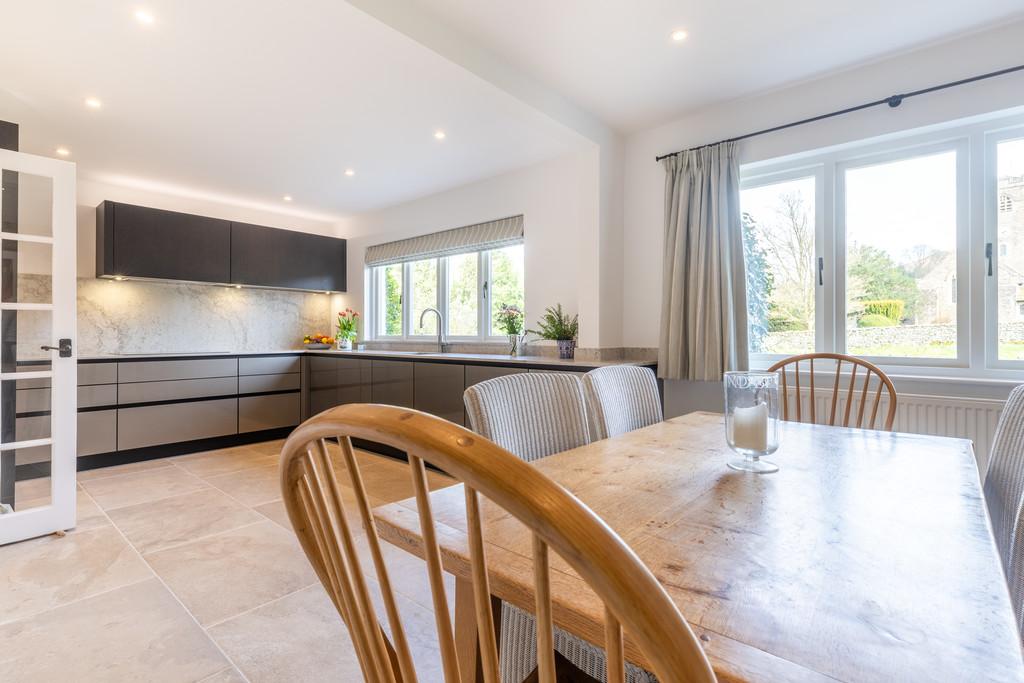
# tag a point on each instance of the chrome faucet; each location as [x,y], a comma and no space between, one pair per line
[442,343]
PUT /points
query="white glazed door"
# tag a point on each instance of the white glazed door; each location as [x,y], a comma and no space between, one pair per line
[38,371]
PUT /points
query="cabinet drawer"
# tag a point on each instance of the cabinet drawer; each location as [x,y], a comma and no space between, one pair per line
[97,432]
[97,373]
[146,392]
[268,365]
[254,384]
[256,413]
[170,423]
[97,395]
[323,363]
[31,400]
[162,370]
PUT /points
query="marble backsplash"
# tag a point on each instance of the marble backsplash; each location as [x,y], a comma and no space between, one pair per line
[160,317]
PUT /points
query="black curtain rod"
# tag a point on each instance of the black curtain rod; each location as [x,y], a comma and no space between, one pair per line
[893,101]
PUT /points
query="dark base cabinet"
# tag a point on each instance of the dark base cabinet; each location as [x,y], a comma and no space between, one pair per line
[438,390]
[393,383]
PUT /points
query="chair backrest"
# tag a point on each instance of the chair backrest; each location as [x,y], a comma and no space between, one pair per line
[533,414]
[872,381]
[1004,494]
[621,398]
[633,597]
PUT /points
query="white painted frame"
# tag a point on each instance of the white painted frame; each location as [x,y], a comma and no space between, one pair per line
[63,375]
[989,215]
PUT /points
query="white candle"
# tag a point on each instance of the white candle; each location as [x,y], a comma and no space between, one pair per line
[750,427]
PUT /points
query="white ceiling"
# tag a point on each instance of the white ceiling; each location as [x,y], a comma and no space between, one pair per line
[251,100]
[615,58]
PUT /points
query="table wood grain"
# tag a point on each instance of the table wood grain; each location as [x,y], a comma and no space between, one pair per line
[867,557]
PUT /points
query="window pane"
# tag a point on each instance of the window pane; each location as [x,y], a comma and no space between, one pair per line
[506,286]
[1010,234]
[424,295]
[778,246]
[462,295]
[390,311]
[901,258]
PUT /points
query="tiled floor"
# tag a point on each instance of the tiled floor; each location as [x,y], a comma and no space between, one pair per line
[186,569]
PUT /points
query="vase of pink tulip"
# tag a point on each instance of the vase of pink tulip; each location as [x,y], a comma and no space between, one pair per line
[348,326]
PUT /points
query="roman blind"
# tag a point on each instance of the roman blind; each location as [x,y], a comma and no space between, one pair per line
[503,232]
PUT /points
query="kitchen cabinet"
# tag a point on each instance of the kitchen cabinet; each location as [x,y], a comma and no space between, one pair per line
[175,422]
[256,413]
[393,382]
[438,389]
[481,373]
[136,241]
[269,257]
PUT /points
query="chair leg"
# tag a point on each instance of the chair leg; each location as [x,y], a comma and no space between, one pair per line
[467,639]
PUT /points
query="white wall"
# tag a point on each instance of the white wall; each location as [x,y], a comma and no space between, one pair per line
[644,179]
[559,200]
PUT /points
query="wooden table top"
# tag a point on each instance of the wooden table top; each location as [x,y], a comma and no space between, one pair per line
[867,557]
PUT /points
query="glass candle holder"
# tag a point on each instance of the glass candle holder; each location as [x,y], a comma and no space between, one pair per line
[752,419]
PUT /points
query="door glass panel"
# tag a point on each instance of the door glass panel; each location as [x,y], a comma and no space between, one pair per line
[463,307]
[424,295]
[778,249]
[27,204]
[1010,240]
[32,489]
[26,272]
[901,258]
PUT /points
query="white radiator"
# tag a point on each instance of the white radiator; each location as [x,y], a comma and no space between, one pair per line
[966,418]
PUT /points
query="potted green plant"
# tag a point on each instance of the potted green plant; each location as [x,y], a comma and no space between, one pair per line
[557,326]
[510,321]
[348,323]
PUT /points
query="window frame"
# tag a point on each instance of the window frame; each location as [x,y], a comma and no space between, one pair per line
[975,142]
[484,319]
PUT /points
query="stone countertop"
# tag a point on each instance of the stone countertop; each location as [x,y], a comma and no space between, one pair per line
[476,358]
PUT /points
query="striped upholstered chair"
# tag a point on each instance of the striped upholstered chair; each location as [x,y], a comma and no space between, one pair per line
[621,398]
[534,415]
[1004,494]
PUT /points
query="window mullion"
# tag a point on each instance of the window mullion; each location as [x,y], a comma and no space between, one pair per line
[442,291]
[406,300]
[484,294]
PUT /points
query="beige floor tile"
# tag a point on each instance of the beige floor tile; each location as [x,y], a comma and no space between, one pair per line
[250,487]
[141,487]
[88,515]
[127,468]
[178,519]
[275,511]
[135,633]
[213,463]
[231,675]
[408,573]
[32,489]
[46,572]
[269,447]
[220,576]
[297,638]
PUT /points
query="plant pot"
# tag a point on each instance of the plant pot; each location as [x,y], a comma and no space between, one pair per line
[516,344]
[566,349]
[344,344]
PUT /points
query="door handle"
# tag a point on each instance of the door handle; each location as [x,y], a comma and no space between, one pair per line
[63,350]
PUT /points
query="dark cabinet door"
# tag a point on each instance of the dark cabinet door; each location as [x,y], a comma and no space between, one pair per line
[438,390]
[269,257]
[393,382]
[166,245]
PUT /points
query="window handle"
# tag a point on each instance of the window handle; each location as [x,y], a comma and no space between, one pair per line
[485,290]
[821,270]
[988,256]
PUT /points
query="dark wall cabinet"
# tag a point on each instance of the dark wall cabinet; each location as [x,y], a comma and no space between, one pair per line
[135,241]
[284,258]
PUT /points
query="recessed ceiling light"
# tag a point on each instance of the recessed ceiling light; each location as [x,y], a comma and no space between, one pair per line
[287,197]
[679,35]
[349,172]
[93,102]
[439,135]
[144,17]
[63,151]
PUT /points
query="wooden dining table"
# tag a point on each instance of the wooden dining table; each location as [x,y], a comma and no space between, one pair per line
[867,557]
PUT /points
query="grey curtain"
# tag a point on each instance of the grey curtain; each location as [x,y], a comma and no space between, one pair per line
[704,300]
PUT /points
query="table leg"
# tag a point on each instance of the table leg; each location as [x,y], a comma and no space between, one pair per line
[467,640]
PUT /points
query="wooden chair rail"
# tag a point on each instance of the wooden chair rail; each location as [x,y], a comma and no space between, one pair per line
[632,596]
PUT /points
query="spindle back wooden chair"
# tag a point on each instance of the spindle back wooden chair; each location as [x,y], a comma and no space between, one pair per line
[789,369]
[633,598]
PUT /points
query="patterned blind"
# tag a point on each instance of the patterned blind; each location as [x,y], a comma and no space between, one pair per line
[504,232]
